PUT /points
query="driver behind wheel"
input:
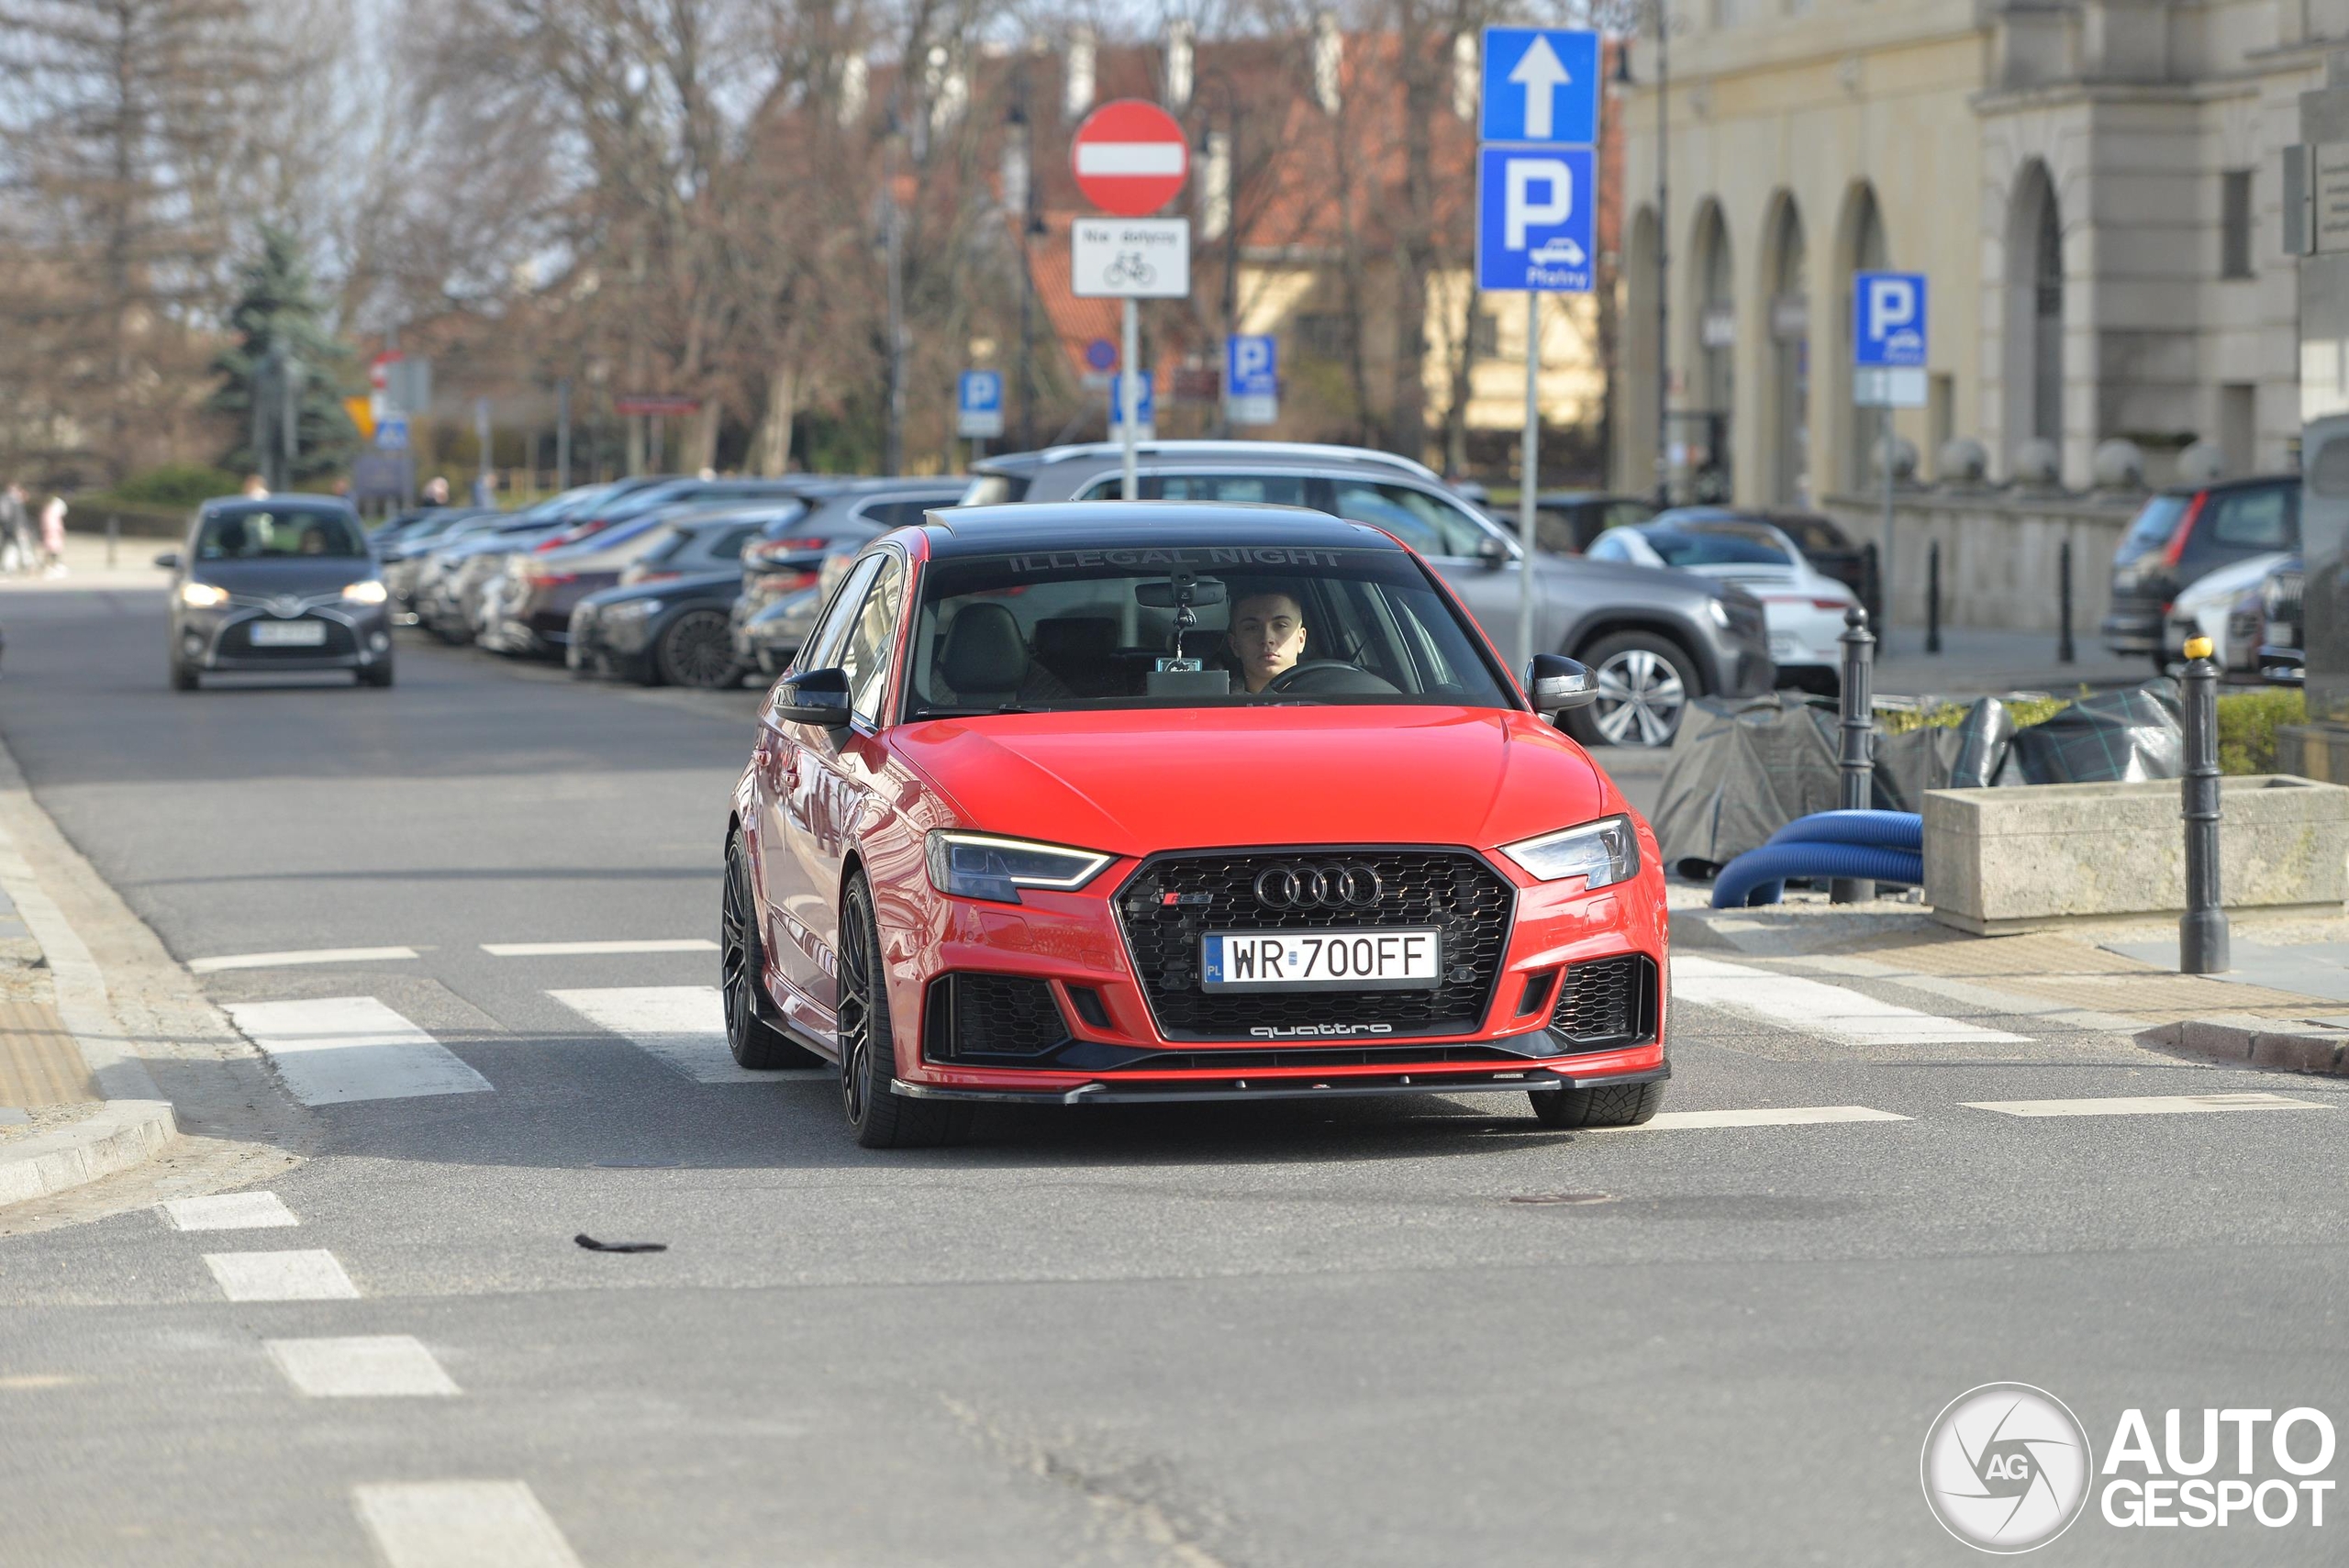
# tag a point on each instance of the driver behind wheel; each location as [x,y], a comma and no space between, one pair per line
[1266,636]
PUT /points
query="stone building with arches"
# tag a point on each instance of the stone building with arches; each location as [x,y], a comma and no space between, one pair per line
[2093,187]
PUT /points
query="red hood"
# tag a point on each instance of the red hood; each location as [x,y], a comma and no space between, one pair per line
[1135,781]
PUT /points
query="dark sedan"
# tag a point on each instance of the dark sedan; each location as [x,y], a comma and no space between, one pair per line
[280,584]
[669,631]
[2183,535]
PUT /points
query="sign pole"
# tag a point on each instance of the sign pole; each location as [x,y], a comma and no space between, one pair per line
[1884,456]
[1528,477]
[1130,397]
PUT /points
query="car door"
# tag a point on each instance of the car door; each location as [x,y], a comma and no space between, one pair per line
[837,771]
[1453,542]
[788,778]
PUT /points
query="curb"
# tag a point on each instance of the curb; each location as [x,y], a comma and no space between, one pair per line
[2255,1043]
[122,1134]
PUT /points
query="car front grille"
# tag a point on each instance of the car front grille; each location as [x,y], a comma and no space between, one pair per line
[992,1019]
[1607,1003]
[1173,900]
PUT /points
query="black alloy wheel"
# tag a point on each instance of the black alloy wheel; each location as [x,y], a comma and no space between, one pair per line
[1600,1104]
[752,1033]
[881,1118]
[697,651]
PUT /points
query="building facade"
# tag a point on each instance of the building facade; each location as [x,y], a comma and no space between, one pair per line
[2092,188]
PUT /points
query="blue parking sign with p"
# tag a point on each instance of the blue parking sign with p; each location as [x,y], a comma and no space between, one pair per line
[1533,219]
[978,405]
[1888,320]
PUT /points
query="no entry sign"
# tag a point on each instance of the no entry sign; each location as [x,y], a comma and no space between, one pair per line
[1130,158]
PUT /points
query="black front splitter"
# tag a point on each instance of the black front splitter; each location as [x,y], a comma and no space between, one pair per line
[1537,1080]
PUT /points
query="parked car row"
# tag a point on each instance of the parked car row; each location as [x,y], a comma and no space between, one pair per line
[2197,561]
[705,583]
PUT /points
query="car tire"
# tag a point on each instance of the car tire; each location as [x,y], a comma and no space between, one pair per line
[1600,1104]
[1645,685]
[751,1034]
[184,679]
[697,651]
[377,676]
[880,1117]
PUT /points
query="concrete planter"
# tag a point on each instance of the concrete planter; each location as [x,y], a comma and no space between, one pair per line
[2020,860]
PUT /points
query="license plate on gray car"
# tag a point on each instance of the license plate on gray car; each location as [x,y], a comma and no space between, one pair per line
[289,634]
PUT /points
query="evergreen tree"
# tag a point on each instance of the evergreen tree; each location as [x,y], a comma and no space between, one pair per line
[277,310]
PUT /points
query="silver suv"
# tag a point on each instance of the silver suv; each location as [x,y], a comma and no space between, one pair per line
[1656,638]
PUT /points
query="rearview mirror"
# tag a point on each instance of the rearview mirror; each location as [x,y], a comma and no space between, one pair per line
[1491,553]
[1556,683]
[1179,590]
[812,697]
[169,561]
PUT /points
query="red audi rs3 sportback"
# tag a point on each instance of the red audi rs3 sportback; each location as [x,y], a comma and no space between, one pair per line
[1120,802]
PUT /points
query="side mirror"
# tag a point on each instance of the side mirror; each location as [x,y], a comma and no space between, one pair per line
[1557,684]
[1491,553]
[813,696]
[169,561]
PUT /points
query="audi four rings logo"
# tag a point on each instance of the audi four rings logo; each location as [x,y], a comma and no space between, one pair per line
[1318,887]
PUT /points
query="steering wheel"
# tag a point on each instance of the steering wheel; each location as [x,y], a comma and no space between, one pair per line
[1335,677]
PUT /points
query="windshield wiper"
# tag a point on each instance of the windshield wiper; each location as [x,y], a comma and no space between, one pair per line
[979,712]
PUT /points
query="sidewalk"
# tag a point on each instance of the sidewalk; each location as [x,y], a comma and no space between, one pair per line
[85,566]
[2285,1002]
[1983,661]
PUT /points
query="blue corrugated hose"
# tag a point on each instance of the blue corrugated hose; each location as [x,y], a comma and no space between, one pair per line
[1882,829]
[1759,876]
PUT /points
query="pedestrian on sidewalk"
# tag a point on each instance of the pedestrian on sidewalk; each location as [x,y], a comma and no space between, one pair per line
[53,536]
[17,545]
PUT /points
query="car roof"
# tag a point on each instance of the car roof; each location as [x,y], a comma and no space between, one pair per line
[2247,482]
[227,505]
[1140,526]
[1225,451]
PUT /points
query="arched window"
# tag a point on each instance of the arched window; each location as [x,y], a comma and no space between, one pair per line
[1860,248]
[2033,372]
[1787,407]
[1713,379]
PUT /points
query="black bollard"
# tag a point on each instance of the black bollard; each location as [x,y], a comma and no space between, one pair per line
[2202,930]
[2064,651]
[1933,597]
[1855,764]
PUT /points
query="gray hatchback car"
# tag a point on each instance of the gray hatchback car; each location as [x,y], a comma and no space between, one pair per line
[1654,637]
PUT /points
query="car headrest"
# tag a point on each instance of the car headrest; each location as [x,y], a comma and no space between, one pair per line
[1076,639]
[983,652]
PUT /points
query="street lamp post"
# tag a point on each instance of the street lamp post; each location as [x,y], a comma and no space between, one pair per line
[1663,236]
[1231,216]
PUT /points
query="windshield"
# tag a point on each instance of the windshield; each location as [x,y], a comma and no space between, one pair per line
[1189,628]
[265,535]
[2153,527]
[1715,547]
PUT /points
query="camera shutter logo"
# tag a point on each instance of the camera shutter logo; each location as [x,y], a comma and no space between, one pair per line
[2007,1467]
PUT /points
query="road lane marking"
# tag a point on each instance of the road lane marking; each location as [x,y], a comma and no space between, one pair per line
[1812,1007]
[682,1026]
[460,1524]
[306,1275]
[366,1366]
[227,1211]
[2148,1105]
[302,955]
[335,1048]
[1786,1116]
[582,950]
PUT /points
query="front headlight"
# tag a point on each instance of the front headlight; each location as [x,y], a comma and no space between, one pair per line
[976,865]
[632,609]
[1607,851]
[367,592]
[201,596]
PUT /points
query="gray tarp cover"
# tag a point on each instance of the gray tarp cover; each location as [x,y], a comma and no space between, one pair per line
[1742,768]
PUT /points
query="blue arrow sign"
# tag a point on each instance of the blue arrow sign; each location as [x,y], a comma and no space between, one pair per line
[1533,219]
[1541,85]
[1889,320]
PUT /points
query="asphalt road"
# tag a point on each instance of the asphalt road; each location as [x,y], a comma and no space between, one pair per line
[1407,1332]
